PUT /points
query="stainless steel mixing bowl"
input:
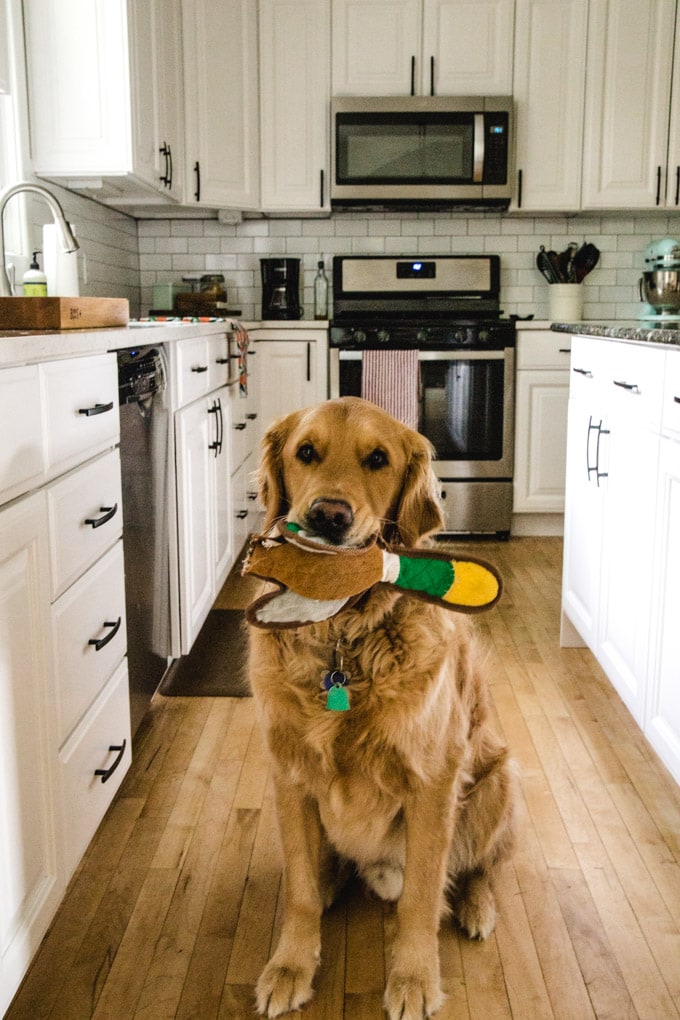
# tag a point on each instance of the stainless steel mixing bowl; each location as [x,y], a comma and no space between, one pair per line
[661,289]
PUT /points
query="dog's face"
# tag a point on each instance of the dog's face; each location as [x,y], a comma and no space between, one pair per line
[347,471]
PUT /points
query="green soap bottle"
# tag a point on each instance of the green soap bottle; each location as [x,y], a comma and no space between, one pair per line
[35,281]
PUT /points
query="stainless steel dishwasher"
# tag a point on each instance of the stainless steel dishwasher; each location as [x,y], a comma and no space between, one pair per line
[144,423]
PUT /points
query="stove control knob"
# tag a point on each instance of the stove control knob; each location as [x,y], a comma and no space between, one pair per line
[359,336]
[383,336]
[422,336]
[460,335]
[483,336]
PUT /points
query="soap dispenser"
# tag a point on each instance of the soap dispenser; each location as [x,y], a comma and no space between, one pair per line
[35,281]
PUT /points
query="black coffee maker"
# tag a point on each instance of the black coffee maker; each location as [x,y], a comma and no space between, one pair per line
[280,288]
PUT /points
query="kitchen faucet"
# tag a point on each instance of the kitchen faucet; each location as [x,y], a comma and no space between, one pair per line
[68,241]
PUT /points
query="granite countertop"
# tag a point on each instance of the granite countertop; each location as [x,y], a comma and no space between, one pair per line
[653,332]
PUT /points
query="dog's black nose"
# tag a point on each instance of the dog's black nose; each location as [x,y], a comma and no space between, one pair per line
[330,518]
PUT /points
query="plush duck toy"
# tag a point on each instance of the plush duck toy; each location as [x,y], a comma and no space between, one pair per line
[315,581]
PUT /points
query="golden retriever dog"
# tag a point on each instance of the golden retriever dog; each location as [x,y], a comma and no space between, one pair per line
[410,787]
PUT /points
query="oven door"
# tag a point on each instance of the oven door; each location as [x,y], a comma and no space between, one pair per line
[466,407]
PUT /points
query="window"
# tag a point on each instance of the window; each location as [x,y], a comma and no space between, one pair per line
[13,130]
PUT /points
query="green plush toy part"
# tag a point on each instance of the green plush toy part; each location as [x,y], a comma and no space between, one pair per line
[315,581]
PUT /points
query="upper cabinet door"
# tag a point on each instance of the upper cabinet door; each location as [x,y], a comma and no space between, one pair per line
[673,174]
[550,71]
[170,96]
[467,47]
[221,103]
[630,55]
[376,46]
[294,94]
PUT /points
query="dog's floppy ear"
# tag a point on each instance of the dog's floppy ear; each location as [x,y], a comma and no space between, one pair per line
[272,490]
[418,512]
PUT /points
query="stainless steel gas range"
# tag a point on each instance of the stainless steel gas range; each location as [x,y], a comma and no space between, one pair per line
[447,308]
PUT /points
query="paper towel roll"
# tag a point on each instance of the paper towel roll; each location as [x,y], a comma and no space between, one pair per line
[60,267]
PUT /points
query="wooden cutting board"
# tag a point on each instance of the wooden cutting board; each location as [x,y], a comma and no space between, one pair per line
[63,312]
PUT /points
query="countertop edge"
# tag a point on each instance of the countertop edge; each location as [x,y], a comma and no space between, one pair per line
[657,336]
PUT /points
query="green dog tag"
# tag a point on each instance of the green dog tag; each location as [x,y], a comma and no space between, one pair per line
[338,699]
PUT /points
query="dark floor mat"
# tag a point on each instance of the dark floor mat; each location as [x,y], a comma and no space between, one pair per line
[216,665]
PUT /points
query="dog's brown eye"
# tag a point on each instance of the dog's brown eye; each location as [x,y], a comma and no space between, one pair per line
[376,460]
[307,454]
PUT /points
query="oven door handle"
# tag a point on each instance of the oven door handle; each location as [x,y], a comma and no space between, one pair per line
[440,355]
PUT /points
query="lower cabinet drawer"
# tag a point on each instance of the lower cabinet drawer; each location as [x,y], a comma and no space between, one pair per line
[92,764]
[89,637]
[85,516]
[671,396]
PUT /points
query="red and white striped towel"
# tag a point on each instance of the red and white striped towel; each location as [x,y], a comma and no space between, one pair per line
[390,380]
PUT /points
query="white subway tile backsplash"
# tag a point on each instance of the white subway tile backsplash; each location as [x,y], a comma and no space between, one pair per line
[610,291]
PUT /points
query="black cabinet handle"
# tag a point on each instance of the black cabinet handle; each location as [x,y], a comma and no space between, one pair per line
[251,416]
[107,511]
[413,76]
[321,188]
[107,773]
[565,350]
[583,371]
[676,400]
[97,409]
[221,361]
[100,643]
[241,515]
[220,425]
[431,76]
[164,151]
[239,426]
[199,368]
[600,474]
[631,387]
[168,172]
[309,362]
[252,496]
[658,185]
[590,468]
[520,176]
[215,445]
[197,169]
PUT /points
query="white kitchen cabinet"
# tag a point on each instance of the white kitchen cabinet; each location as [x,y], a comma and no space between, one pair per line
[63,637]
[628,97]
[294,103]
[663,699]
[221,103]
[21,415]
[101,75]
[549,87]
[612,458]
[542,396]
[292,372]
[203,506]
[32,877]
[422,47]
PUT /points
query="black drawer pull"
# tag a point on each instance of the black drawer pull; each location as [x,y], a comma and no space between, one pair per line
[676,400]
[107,773]
[241,515]
[253,415]
[631,387]
[565,350]
[583,371]
[97,409]
[100,643]
[107,511]
[240,426]
[199,368]
[252,496]
[221,361]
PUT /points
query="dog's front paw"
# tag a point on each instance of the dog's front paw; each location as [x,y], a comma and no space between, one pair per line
[413,991]
[475,911]
[282,988]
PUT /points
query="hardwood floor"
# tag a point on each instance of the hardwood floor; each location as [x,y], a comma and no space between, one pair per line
[173,910]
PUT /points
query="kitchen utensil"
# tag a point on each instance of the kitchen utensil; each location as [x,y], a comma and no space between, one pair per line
[545,266]
[661,289]
[584,261]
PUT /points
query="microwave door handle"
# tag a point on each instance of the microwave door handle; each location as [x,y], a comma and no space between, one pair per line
[478,150]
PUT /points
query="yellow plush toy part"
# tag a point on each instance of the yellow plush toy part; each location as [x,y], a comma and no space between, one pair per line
[315,581]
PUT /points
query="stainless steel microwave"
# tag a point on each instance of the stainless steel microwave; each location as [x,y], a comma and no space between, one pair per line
[410,151]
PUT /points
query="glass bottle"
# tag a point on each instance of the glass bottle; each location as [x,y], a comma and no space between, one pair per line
[321,293]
